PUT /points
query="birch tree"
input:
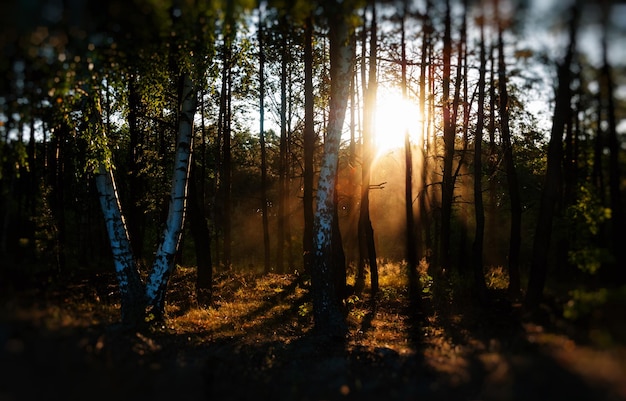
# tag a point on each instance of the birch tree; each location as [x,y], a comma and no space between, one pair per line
[146,302]
[327,314]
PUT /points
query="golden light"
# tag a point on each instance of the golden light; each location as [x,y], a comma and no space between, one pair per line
[393,116]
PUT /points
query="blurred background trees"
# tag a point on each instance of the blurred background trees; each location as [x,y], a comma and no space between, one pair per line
[544,100]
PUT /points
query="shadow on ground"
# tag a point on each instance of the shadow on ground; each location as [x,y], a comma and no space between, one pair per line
[459,352]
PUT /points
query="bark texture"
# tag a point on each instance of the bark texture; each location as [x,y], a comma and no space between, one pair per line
[327,314]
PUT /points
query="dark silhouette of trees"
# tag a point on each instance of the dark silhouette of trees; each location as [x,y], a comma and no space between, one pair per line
[552,184]
[108,113]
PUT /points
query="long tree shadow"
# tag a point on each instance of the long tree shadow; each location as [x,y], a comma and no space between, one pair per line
[485,353]
[455,351]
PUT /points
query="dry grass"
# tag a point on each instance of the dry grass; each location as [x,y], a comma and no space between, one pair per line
[255,342]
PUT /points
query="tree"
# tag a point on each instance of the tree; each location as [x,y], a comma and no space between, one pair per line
[411,254]
[367,247]
[615,196]
[309,144]
[264,200]
[449,128]
[283,178]
[511,173]
[327,315]
[479,210]
[552,183]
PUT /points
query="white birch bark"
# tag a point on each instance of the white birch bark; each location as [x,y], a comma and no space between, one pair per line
[328,318]
[130,285]
[164,260]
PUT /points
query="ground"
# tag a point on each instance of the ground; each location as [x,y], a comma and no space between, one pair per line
[59,340]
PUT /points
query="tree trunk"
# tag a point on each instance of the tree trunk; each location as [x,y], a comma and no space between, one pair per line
[477,252]
[164,259]
[227,161]
[129,282]
[492,164]
[359,282]
[410,241]
[447,185]
[202,241]
[617,207]
[309,145]
[339,256]
[366,232]
[552,184]
[327,314]
[423,147]
[264,211]
[282,164]
[511,173]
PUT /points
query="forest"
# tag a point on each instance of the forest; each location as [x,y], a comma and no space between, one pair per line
[313,200]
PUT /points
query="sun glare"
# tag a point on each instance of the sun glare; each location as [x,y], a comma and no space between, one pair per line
[394,115]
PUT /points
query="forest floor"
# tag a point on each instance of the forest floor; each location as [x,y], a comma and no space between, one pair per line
[61,341]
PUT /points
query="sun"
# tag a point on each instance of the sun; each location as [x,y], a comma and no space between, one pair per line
[394,115]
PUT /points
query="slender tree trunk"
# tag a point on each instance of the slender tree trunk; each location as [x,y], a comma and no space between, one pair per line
[129,282]
[282,166]
[615,196]
[328,317]
[410,241]
[434,226]
[288,174]
[339,256]
[202,240]
[309,144]
[461,80]
[423,140]
[130,286]
[164,258]
[366,231]
[359,283]
[552,184]
[219,189]
[477,252]
[264,211]
[447,185]
[492,162]
[227,161]
[511,173]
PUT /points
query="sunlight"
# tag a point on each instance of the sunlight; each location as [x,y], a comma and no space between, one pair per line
[394,115]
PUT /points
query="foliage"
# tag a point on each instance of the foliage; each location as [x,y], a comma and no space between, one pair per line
[496,278]
[583,303]
[585,218]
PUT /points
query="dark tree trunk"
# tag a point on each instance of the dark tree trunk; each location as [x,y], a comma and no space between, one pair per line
[477,251]
[282,166]
[359,283]
[227,163]
[492,165]
[339,256]
[410,240]
[309,145]
[511,173]
[552,184]
[615,196]
[447,185]
[367,245]
[264,211]
[202,240]
[425,147]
